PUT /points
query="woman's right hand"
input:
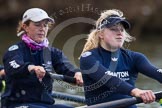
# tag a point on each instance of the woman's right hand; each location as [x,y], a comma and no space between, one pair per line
[39,71]
[146,95]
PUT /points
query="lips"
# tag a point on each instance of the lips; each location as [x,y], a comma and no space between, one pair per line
[40,34]
[119,38]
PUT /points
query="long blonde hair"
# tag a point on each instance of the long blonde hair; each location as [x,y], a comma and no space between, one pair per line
[93,39]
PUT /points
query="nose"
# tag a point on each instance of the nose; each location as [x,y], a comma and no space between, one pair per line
[42,26]
[121,29]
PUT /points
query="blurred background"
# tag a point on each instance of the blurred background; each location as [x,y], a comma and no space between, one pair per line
[75,18]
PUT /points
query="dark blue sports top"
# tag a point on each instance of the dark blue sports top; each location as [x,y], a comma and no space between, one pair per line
[110,76]
[23,86]
[1,67]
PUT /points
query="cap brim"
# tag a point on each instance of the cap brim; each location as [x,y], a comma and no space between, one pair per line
[114,21]
[125,23]
[36,19]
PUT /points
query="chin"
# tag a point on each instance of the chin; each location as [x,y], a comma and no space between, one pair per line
[119,46]
[39,41]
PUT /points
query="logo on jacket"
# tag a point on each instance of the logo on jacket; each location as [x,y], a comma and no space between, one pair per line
[86,54]
[122,75]
[48,66]
[14,64]
[114,59]
[13,47]
[159,70]
[22,106]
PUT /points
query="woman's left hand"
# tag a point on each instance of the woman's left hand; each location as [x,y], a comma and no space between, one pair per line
[79,79]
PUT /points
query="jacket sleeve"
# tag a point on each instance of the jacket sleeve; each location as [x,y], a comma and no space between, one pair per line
[144,66]
[1,67]
[61,63]
[13,62]
[91,67]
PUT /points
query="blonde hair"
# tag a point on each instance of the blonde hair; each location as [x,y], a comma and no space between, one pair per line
[20,29]
[93,39]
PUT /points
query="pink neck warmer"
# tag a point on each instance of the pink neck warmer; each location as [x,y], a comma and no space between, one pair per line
[33,45]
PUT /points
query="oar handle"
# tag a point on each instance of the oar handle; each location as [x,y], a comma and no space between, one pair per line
[158,95]
[68,97]
[63,78]
[122,103]
[69,79]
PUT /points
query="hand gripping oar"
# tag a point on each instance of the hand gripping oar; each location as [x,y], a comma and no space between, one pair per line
[63,78]
[123,103]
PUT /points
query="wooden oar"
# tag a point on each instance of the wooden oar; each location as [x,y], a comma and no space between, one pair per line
[123,103]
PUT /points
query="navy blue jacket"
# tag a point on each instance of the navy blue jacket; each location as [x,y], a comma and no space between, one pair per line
[110,76]
[1,67]
[22,85]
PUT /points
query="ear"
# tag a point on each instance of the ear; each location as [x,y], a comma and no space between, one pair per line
[25,27]
[101,34]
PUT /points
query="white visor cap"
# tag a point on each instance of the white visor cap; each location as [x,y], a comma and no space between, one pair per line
[36,15]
